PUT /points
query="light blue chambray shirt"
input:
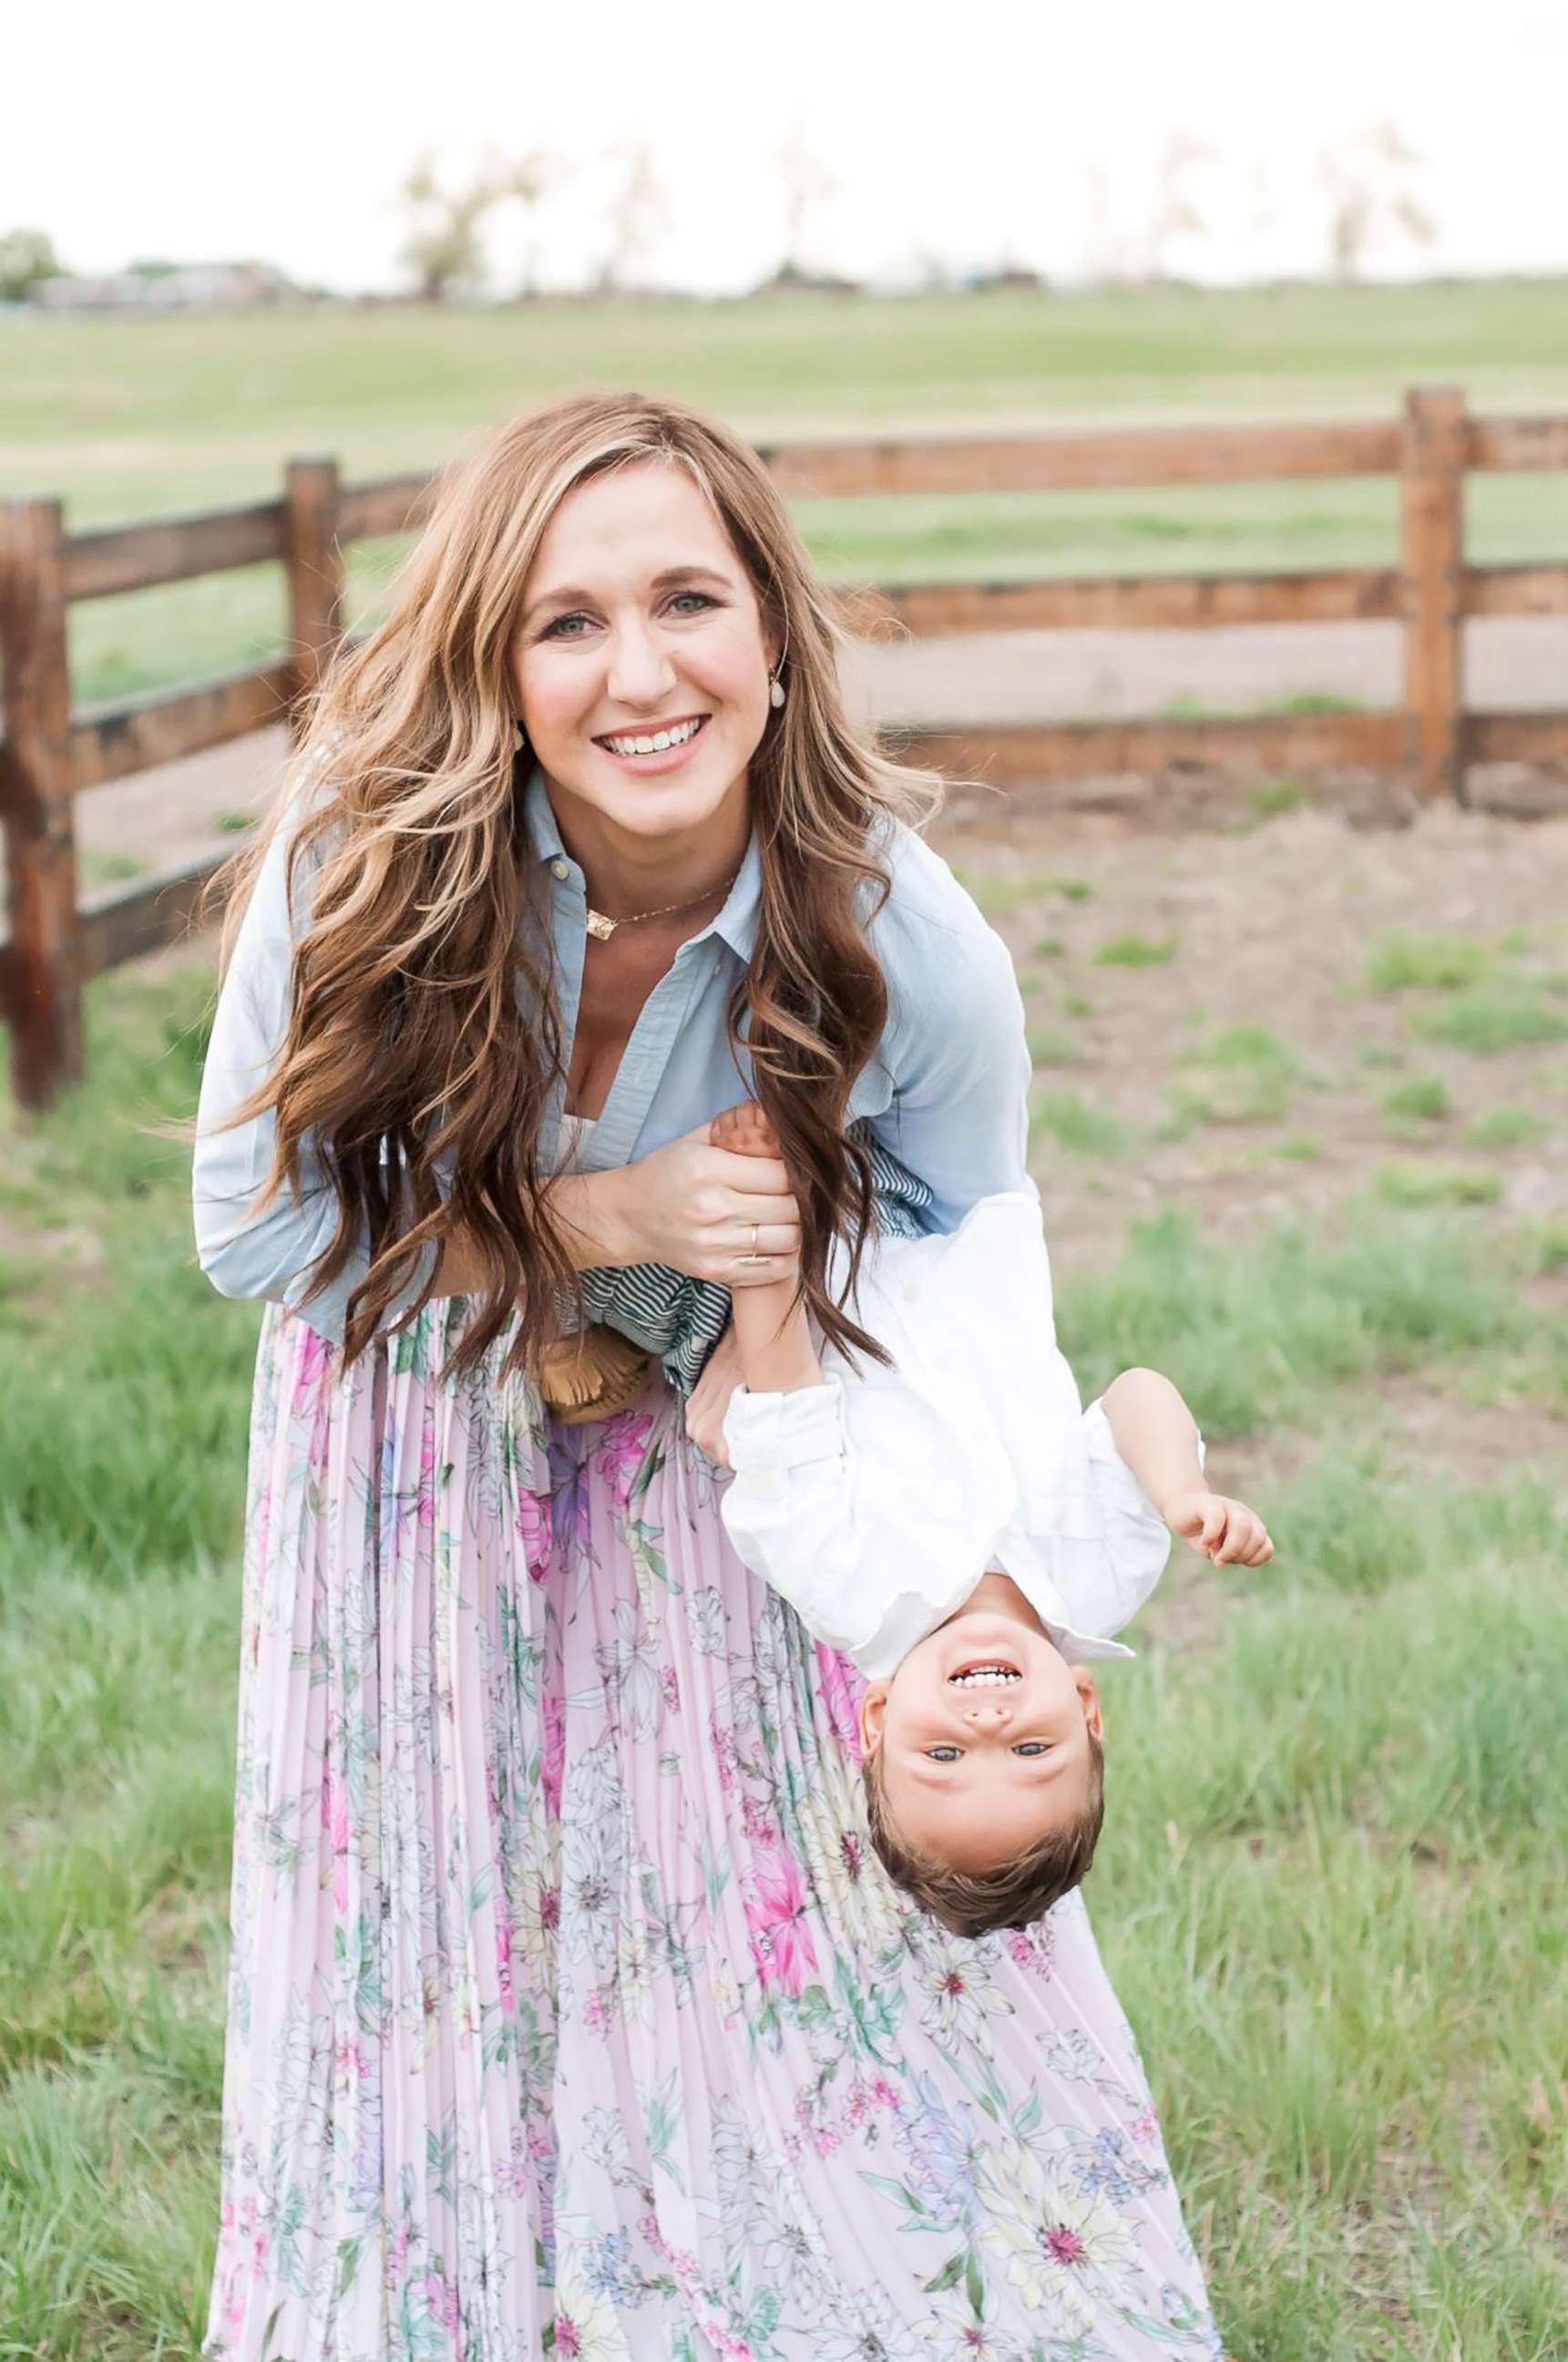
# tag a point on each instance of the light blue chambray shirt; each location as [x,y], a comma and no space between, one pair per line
[946,1092]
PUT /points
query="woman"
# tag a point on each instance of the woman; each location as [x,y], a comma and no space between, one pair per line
[567,2014]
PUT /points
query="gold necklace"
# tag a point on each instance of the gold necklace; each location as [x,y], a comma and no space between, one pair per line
[602,928]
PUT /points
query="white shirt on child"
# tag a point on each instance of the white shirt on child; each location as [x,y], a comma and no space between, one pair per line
[875,1502]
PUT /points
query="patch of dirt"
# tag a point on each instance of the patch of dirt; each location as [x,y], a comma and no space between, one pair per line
[1469,1444]
[1269,926]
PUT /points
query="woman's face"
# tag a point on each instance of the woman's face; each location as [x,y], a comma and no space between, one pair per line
[638,619]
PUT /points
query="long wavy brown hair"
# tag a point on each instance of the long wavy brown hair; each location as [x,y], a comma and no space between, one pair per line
[424,1036]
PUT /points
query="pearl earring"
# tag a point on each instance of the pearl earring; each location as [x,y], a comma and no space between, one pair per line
[776,692]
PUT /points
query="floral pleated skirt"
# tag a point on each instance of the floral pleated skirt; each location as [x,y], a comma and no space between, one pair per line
[569,2013]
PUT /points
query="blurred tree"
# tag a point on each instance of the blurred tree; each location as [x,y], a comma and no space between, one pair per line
[638,213]
[1127,245]
[1175,213]
[807,185]
[443,248]
[26,257]
[528,180]
[1105,250]
[1369,180]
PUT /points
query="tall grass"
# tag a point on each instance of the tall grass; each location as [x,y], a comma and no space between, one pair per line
[1256,1332]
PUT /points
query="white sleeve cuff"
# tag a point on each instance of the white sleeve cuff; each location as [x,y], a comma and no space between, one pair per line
[786,1430]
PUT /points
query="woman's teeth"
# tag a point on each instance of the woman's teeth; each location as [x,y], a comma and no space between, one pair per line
[975,1677]
[661,740]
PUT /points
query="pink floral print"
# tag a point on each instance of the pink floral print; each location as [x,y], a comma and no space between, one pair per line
[570,2011]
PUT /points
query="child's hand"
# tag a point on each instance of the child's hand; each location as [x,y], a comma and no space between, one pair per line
[1218,1529]
[744,1131]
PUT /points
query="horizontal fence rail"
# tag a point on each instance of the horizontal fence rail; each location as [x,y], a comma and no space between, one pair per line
[48,755]
[175,549]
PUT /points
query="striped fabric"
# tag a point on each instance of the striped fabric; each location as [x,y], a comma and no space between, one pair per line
[683,1319]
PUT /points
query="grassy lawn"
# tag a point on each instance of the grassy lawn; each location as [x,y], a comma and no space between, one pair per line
[129,419]
[1330,1889]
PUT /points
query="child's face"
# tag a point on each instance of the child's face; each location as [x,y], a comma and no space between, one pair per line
[974,1770]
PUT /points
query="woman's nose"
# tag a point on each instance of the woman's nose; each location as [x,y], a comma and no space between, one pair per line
[641,671]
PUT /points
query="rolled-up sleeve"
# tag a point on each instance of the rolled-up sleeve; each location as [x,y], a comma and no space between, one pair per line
[956,1049]
[271,1254]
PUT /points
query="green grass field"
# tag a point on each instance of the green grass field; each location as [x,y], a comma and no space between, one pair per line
[1331,1894]
[128,419]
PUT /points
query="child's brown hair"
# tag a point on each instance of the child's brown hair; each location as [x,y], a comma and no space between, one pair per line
[1016,1893]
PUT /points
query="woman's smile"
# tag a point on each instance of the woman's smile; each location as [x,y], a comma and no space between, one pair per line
[656,747]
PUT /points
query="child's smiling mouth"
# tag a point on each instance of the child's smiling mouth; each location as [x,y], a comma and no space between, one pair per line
[985,1672]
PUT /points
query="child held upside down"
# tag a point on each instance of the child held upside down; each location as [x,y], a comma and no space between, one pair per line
[961,1529]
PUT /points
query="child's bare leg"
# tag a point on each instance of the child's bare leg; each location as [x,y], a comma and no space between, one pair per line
[772,1334]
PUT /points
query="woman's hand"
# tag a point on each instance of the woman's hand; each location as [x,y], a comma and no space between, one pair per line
[701,1209]
[710,1400]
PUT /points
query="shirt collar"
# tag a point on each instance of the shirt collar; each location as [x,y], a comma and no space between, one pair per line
[736,922]
[540,816]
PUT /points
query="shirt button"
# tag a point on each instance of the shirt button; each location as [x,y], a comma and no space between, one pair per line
[561,868]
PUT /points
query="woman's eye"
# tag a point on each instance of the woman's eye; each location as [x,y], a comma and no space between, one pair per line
[945,1754]
[561,628]
[1031,1747]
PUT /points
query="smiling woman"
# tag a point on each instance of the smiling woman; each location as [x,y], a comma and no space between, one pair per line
[655,674]
[571,2012]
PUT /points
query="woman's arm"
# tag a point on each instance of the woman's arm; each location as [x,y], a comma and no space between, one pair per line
[690,1206]
[958,1061]
[955,1046]
[594,1223]
[268,1255]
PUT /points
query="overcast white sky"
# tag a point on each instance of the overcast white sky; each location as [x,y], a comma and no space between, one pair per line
[1031,131]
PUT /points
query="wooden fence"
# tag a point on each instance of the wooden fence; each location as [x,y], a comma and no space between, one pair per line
[51,752]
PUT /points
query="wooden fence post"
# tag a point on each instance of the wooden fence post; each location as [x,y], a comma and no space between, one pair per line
[315,569]
[42,991]
[1431,487]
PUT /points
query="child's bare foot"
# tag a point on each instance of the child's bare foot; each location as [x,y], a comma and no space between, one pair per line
[744,1131]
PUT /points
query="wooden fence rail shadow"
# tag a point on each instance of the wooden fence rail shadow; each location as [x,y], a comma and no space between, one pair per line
[51,752]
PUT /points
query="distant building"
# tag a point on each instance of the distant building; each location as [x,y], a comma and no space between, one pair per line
[791,279]
[1011,276]
[178,287]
